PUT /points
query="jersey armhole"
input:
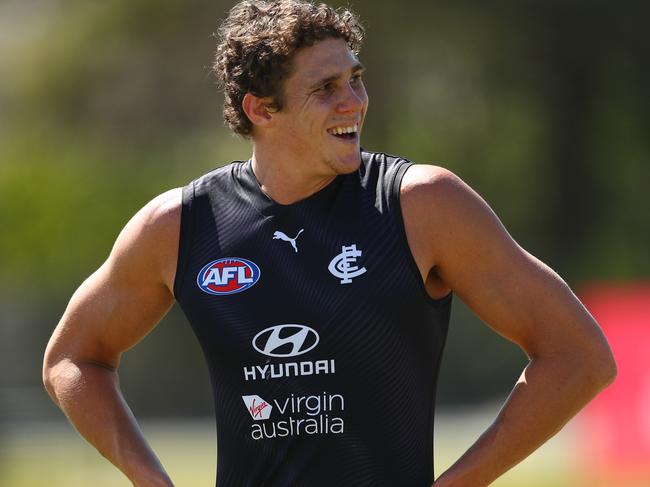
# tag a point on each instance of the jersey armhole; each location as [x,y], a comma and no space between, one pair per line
[185,237]
[394,201]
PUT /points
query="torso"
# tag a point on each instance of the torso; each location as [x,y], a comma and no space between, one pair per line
[354,383]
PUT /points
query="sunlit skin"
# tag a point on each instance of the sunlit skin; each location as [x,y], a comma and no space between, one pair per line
[294,155]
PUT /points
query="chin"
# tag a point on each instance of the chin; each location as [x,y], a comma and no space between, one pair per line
[347,165]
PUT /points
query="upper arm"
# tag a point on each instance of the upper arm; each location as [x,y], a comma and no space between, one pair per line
[473,254]
[127,296]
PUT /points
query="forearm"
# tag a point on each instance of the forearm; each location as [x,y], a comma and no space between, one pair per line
[546,396]
[90,397]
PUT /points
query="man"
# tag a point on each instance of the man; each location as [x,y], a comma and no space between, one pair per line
[317,278]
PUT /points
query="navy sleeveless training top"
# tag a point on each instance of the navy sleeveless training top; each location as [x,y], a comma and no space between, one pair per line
[322,344]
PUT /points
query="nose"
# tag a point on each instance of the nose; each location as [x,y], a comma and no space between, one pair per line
[353,98]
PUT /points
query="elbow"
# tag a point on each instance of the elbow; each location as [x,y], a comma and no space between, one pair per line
[59,374]
[48,376]
[602,368]
[610,370]
[51,390]
[67,378]
[63,379]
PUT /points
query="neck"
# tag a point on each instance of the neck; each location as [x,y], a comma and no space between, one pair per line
[284,179]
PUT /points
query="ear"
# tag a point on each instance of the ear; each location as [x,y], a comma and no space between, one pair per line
[257,109]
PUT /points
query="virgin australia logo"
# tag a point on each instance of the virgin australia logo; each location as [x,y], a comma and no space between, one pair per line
[257,407]
[285,340]
[283,236]
[343,265]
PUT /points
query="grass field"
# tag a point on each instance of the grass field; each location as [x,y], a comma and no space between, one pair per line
[53,455]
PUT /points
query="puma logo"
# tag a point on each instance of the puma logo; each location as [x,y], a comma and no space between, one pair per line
[283,236]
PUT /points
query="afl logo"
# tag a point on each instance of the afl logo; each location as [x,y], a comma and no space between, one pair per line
[285,340]
[228,276]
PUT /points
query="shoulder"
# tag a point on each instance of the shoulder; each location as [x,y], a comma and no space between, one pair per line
[163,212]
[434,193]
[159,218]
[428,181]
[148,244]
[445,218]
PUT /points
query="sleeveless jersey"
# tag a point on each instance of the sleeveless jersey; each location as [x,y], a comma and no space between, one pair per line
[322,345]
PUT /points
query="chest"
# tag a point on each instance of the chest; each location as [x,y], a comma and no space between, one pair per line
[331,269]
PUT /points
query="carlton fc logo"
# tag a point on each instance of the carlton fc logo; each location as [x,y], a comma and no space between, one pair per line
[228,276]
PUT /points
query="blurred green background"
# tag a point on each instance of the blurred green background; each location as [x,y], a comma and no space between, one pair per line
[542,107]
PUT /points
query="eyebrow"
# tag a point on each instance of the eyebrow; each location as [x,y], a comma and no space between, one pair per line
[358,67]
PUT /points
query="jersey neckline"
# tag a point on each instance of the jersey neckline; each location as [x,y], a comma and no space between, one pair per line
[267,205]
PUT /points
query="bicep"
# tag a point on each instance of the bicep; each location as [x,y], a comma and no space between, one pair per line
[107,315]
[510,290]
[126,297]
[516,294]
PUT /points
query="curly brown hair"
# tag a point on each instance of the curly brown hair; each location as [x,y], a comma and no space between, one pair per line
[257,43]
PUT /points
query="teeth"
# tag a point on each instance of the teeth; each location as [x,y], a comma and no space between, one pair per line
[344,130]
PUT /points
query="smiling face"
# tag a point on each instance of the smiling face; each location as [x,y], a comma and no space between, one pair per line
[325,103]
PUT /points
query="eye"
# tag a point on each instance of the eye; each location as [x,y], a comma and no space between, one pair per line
[356,79]
[326,88]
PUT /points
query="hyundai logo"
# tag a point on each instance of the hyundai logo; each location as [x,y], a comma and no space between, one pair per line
[285,340]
